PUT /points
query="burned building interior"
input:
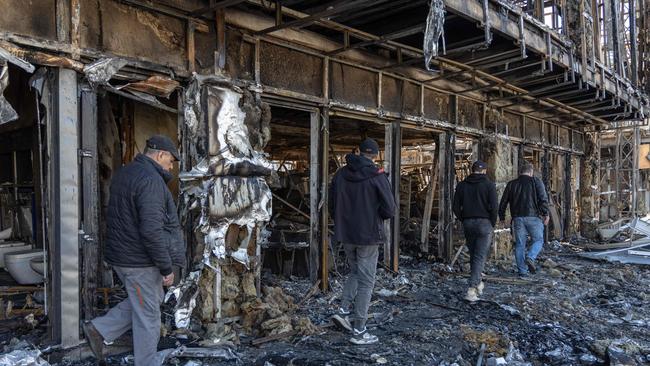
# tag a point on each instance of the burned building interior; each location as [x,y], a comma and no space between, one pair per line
[265,99]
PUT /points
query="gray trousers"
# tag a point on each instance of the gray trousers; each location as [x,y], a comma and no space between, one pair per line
[140,311]
[361,281]
[478,237]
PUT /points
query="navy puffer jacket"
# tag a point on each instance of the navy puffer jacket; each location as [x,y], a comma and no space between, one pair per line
[142,226]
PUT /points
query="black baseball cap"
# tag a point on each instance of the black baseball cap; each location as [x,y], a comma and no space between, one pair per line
[162,142]
[479,165]
[369,146]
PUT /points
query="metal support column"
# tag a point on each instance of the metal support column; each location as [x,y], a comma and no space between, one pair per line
[89,234]
[65,208]
[627,143]
[567,196]
[314,189]
[395,165]
[322,205]
[447,141]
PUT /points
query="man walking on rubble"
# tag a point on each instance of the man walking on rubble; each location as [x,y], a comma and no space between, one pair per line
[360,200]
[143,241]
[528,202]
[475,205]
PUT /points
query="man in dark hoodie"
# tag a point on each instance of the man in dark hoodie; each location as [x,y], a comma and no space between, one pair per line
[143,241]
[360,200]
[475,204]
[528,202]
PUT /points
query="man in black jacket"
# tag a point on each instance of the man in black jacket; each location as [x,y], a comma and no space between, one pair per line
[475,204]
[143,241]
[528,202]
[360,200]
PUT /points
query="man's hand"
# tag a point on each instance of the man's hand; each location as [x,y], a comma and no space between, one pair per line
[546,219]
[168,280]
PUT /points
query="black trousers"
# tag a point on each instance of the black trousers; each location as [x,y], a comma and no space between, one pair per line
[478,237]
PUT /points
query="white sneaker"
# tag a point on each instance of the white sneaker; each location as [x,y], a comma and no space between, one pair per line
[480,288]
[363,337]
[342,322]
[472,295]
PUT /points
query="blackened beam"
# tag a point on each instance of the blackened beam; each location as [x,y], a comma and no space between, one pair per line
[337,8]
[545,96]
[518,68]
[214,7]
[500,57]
[380,11]
[172,12]
[482,67]
[589,102]
[620,114]
[534,92]
[388,37]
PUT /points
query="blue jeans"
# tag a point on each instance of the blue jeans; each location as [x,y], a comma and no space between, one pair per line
[522,228]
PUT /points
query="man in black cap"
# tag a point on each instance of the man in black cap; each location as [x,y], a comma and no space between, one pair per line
[475,204]
[143,241]
[360,200]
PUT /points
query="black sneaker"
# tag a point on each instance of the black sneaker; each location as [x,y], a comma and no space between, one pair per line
[531,265]
[95,340]
[362,337]
[342,322]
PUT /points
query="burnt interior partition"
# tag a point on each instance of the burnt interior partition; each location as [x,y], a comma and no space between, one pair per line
[286,249]
[23,194]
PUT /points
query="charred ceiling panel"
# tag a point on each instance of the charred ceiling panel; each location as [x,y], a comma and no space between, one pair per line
[578,141]
[436,105]
[514,123]
[411,95]
[281,67]
[205,47]
[565,140]
[34,18]
[240,56]
[90,34]
[353,85]
[533,130]
[494,121]
[391,96]
[552,134]
[470,113]
[133,32]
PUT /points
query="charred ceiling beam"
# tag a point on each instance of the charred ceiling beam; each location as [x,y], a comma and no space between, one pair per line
[388,37]
[379,11]
[214,7]
[336,8]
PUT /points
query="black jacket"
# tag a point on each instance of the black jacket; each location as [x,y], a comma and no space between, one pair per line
[360,199]
[142,226]
[526,196]
[476,197]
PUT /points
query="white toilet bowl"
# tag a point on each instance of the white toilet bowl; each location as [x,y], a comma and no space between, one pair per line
[11,247]
[18,266]
[38,265]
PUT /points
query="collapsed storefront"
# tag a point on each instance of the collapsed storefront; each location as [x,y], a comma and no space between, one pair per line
[265,99]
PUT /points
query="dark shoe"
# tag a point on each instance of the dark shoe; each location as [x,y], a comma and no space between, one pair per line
[362,337]
[531,265]
[523,274]
[95,340]
[342,322]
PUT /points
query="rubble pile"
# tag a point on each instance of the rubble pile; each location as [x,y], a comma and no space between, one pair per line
[571,313]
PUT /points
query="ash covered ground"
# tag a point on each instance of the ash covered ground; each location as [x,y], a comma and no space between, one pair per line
[572,312]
